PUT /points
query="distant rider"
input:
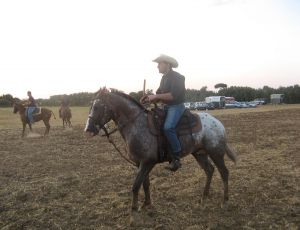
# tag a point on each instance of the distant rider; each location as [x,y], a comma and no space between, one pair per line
[31,107]
[64,104]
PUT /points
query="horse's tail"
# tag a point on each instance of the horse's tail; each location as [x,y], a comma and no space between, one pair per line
[53,114]
[230,153]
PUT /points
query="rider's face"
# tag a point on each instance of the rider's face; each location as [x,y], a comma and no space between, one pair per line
[163,67]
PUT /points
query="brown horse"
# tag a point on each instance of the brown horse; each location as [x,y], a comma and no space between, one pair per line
[65,114]
[131,119]
[44,115]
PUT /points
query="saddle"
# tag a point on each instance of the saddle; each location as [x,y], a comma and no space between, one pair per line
[36,111]
[188,124]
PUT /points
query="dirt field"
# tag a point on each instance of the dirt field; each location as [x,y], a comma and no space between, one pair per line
[67,182]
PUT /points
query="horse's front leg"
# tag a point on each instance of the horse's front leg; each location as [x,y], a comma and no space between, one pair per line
[70,124]
[142,175]
[146,186]
[24,126]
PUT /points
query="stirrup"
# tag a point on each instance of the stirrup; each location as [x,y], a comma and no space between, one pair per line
[174,165]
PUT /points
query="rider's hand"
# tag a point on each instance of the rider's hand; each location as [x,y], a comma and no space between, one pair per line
[153,98]
[144,99]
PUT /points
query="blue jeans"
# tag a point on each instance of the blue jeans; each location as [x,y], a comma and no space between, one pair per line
[29,113]
[174,113]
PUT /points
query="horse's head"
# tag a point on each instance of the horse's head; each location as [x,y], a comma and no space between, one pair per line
[100,114]
[18,107]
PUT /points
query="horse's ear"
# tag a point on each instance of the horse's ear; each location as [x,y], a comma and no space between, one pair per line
[16,100]
[102,91]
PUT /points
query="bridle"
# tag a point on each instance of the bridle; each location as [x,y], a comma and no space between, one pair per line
[110,140]
[119,128]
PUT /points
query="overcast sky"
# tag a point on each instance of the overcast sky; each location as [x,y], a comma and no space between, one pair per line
[62,47]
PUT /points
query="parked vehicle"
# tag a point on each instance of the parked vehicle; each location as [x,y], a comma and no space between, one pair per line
[276,98]
[192,106]
[201,105]
[229,100]
[217,101]
[261,101]
[210,106]
[244,104]
[252,104]
[230,106]
[187,105]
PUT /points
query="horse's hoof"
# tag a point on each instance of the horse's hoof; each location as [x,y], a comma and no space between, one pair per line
[134,209]
[225,205]
[147,206]
[133,218]
[203,200]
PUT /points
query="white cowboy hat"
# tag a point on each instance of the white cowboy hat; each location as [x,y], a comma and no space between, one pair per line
[167,59]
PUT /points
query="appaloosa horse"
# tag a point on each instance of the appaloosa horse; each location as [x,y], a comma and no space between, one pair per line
[65,114]
[131,119]
[44,115]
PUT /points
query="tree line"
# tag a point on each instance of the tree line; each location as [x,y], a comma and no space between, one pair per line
[291,95]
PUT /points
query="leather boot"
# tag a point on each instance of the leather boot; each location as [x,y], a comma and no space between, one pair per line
[174,165]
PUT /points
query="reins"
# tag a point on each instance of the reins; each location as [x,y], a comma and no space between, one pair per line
[110,140]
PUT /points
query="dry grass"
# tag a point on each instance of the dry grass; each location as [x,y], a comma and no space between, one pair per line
[66,182]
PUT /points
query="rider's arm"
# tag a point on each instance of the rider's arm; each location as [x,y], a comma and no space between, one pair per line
[164,97]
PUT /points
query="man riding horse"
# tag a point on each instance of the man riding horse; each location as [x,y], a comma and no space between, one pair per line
[65,112]
[171,92]
[31,106]
[64,104]
[26,111]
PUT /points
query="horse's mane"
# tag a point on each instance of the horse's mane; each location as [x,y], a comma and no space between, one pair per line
[130,98]
[104,90]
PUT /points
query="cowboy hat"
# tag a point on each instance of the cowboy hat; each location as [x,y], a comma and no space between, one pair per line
[167,59]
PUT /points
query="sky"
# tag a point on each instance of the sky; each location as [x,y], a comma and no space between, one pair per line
[63,46]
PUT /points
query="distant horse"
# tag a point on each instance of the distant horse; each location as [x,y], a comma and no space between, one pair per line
[65,114]
[44,115]
[131,119]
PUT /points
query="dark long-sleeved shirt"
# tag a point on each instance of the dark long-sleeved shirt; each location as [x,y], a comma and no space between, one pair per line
[173,83]
[31,102]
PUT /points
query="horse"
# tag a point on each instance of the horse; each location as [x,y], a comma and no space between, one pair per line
[131,119]
[65,114]
[44,115]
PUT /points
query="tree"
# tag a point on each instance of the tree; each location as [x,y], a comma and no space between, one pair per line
[6,100]
[193,95]
[220,85]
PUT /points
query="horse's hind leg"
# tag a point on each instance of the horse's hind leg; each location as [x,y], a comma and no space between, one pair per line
[203,161]
[218,160]
[68,122]
[46,122]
